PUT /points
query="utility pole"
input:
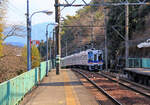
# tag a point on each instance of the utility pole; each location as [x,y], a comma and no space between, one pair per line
[105,33]
[106,47]
[127,34]
[28,39]
[57,19]
[92,32]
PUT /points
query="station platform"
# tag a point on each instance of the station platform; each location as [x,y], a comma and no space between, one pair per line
[62,89]
[138,75]
[142,71]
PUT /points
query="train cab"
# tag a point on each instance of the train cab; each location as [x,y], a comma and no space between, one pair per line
[95,60]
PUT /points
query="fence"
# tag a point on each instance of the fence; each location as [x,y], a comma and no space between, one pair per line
[139,62]
[43,70]
[13,90]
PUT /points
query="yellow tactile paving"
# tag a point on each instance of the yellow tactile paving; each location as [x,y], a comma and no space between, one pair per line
[71,98]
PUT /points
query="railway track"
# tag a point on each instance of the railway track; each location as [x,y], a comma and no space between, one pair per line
[110,100]
[116,92]
[114,75]
[144,90]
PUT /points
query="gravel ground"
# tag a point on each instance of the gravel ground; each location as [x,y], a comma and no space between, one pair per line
[120,93]
[102,99]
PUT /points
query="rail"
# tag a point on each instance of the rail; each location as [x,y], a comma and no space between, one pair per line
[99,88]
[125,84]
[13,90]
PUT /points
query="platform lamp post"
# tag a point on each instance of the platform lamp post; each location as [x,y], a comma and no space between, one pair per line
[50,48]
[29,34]
[55,24]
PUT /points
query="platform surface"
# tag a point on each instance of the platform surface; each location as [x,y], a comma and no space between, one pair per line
[63,89]
[142,71]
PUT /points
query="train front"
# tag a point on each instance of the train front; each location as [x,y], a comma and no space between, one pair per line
[95,60]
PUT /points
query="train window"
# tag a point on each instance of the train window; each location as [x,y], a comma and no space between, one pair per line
[90,56]
[100,57]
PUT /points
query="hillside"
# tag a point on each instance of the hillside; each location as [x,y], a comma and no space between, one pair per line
[11,63]
[80,37]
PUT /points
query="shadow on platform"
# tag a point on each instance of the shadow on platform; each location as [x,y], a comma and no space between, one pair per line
[74,83]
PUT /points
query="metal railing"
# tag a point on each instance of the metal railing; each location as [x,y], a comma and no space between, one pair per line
[139,62]
[42,70]
[13,90]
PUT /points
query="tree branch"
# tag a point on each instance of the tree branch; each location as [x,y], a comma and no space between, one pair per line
[14,31]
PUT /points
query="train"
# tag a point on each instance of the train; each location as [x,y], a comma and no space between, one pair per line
[90,59]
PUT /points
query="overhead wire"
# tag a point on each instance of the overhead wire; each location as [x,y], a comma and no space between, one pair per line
[16,10]
[65,7]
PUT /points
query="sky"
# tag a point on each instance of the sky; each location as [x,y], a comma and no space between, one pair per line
[17,9]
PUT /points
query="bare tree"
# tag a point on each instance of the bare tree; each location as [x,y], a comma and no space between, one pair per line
[14,30]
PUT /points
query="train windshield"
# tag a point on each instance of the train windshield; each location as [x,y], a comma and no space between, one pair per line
[90,56]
